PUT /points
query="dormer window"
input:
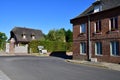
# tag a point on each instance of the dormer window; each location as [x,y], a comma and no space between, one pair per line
[24,36]
[33,36]
[97,8]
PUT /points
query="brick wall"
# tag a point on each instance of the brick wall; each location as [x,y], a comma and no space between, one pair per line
[105,37]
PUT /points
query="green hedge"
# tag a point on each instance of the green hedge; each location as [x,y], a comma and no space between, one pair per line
[50,46]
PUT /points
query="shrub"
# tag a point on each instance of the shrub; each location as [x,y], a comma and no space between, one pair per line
[50,46]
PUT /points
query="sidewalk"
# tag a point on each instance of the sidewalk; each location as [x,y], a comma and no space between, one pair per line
[15,54]
[111,66]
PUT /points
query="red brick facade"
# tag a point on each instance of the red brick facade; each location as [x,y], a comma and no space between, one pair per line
[105,36]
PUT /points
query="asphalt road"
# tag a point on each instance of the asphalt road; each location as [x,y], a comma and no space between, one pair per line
[51,68]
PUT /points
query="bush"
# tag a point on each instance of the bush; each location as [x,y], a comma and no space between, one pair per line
[69,46]
[50,46]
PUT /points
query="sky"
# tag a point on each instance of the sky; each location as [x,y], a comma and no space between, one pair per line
[44,15]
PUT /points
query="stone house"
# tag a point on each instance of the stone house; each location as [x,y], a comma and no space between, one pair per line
[96,32]
[21,36]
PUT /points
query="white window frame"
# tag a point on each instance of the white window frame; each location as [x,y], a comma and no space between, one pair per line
[95,26]
[24,36]
[96,46]
[115,43]
[110,27]
[97,8]
[33,37]
[83,26]
[81,48]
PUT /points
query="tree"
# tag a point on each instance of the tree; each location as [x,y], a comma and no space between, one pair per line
[69,36]
[43,38]
[60,34]
[56,35]
[51,35]
[3,39]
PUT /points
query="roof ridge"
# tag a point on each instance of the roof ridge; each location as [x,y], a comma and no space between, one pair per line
[106,5]
[16,27]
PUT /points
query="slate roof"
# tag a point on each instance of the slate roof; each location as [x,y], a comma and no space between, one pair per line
[106,4]
[17,33]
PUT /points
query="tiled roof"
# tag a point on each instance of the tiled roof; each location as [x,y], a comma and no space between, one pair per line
[17,33]
[106,4]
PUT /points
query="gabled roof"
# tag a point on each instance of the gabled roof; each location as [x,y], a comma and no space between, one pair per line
[17,33]
[106,4]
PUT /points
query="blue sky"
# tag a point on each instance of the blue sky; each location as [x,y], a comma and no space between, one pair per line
[40,14]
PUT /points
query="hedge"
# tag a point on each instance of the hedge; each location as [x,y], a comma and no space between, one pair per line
[50,46]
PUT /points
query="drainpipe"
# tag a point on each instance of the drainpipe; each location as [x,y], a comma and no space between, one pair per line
[89,42]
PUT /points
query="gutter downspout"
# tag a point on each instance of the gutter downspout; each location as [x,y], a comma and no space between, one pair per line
[89,42]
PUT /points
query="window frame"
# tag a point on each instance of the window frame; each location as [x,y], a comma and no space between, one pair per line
[98,48]
[113,23]
[97,26]
[33,37]
[83,28]
[97,8]
[24,36]
[114,46]
[83,48]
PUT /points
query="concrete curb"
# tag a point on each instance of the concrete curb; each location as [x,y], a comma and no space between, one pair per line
[104,65]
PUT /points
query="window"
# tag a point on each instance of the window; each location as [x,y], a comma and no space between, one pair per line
[97,8]
[33,36]
[24,36]
[97,26]
[98,48]
[114,48]
[113,23]
[82,48]
[82,28]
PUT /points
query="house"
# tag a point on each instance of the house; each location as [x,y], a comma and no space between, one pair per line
[20,37]
[24,35]
[96,32]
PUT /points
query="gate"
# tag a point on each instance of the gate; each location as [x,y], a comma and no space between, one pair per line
[21,49]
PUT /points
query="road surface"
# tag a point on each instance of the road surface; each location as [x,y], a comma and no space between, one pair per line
[51,68]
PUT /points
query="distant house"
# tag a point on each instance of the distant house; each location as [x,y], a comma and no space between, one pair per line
[20,37]
[23,35]
[96,32]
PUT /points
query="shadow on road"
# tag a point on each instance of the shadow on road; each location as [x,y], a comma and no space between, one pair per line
[61,54]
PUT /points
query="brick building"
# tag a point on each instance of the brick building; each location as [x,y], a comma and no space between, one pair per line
[96,32]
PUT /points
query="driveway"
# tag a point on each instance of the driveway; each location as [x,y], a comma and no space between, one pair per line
[51,68]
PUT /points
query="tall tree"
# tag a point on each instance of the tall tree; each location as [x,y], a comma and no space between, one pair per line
[60,34]
[69,36]
[51,35]
[3,39]
[56,35]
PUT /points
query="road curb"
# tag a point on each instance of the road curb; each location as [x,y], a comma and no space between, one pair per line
[104,65]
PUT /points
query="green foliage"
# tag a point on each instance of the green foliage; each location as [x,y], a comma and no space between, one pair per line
[3,39]
[55,40]
[51,35]
[50,46]
[60,35]
[56,35]
[69,36]
[69,46]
